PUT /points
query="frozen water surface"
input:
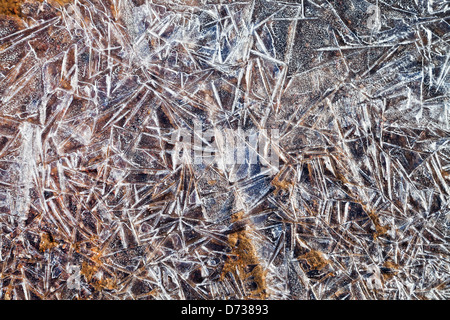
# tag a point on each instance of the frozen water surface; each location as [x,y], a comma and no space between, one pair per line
[100,198]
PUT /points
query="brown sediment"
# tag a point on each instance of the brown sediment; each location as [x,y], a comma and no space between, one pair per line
[104,284]
[89,270]
[315,259]
[391,265]
[243,262]
[47,242]
[8,292]
[11,7]
[282,183]
[14,7]
[379,228]
[391,271]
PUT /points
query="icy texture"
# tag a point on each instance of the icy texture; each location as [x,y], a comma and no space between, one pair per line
[92,205]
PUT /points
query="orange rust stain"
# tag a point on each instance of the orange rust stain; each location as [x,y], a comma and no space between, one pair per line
[243,262]
[281,183]
[10,7]
[315,259]
[14,7]
[393,267]
[8,292]
[65,84]
[104,284]
[47,242]
[90,269]
[379,229]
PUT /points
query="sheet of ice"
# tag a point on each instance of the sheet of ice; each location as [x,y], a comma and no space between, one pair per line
[97,203]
